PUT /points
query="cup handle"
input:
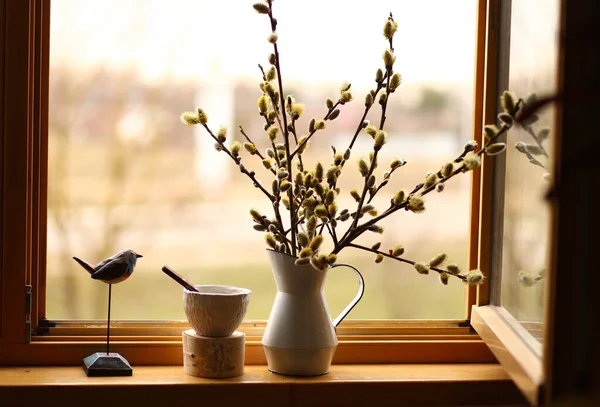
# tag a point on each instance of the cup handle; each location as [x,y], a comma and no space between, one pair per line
[355,300]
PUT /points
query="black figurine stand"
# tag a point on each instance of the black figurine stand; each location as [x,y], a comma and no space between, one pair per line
[107,363]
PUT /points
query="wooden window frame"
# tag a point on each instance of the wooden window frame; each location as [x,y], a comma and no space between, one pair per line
[24,72]
[515,349]
[566,370]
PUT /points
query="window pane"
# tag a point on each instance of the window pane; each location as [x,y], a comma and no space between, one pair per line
[533,64]
[125,172]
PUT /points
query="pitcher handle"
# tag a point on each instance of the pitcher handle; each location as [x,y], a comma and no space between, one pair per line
[355,300]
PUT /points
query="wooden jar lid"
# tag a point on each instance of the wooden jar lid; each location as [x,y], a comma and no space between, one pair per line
[213,357]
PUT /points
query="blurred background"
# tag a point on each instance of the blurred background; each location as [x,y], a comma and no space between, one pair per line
[125,172]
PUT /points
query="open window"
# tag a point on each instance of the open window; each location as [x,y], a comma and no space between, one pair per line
[534,319]
[76,118]
[24,95]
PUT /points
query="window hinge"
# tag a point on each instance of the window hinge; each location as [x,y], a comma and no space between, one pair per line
[28,313]
[43,327]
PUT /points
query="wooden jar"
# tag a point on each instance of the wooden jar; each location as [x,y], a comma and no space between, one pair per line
[213,357]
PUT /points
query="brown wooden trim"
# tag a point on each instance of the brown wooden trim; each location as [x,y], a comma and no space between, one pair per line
[498,177]
[16,133]
[99,336]
[490,104]
[474,227]
[571,351]
[39,156]
[489,94]
[348,385]
[370,328]
[40,152]
[170,352]
[522,364]
[2,108]
[24,136]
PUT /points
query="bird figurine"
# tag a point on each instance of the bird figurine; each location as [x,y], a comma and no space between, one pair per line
[114,269]
[111,271]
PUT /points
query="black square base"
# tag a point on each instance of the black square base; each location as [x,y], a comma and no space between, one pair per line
[106,364]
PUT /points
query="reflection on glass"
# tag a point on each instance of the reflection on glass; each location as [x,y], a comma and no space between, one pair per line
[533,57]
[125,172]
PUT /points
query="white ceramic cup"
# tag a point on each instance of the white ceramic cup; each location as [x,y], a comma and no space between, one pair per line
[217,310]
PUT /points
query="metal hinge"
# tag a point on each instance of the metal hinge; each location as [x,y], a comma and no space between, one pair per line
[28,306]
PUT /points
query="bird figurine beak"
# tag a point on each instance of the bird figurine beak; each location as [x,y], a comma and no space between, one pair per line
[138,255]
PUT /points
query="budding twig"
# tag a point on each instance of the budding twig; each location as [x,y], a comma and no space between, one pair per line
[237,160]
[368,249]
[374,159]
[284,129]
[312,133]
[258,153]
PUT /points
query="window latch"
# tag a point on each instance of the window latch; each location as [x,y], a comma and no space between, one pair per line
[28,313]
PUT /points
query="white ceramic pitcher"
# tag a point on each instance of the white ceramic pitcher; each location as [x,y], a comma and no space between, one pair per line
[300,336]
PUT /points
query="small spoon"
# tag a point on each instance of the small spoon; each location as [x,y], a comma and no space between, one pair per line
[179,279]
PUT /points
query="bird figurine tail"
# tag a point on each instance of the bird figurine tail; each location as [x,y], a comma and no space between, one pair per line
[87,266]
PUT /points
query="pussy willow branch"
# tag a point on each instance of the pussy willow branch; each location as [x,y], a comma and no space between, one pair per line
[361,202]
[276,154]
[360,229]
[287,241]
[387,86]
[238,161]
[274,103]
[285,131]
[277,111]
[296,140]
[360,124]
[368,249]
[364,116]
[301,201]
[262,157]
[382,184]
[330,227]
[360,127]
[278,114]
[299,147]
[277,211]
[362,196]
[332,233]
[299,223]
[275,202]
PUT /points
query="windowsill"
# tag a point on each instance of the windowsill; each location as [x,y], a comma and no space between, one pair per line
[369,385]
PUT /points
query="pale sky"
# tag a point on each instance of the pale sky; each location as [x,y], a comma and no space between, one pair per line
[324,39]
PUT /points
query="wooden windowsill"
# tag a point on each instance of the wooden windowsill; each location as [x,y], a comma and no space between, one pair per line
[345,385]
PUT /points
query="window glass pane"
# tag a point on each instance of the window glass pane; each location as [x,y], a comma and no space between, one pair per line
[125,172]
[533,64]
